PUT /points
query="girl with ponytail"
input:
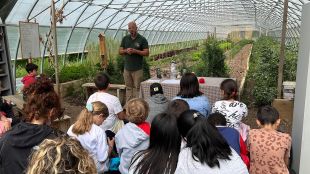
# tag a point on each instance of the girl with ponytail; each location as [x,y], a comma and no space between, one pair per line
[233,110]
[92,138]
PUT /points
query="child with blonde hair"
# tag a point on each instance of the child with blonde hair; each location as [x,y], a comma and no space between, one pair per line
[70,158]
[87,131]
[134,136]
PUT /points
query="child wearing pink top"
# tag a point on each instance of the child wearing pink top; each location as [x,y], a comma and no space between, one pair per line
[269,149]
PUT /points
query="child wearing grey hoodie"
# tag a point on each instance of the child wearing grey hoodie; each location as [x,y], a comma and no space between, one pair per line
[158,103]
[134,136]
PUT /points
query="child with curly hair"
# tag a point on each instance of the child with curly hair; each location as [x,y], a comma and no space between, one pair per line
[41,108]
[61,155]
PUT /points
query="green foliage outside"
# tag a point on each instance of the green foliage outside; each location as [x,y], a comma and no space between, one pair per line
[213,60]
[263,70]
[225,45]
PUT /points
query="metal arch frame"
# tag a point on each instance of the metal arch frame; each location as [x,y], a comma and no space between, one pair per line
[165,22]
[178,28]
[163,31]
[172,23]
[155,17]
[159,20]
[157,23]
[173,19]
[140,15]
[115,14]
[92,27]
[134,10]
[168,30]
[42,10]
[293,18]
[73,27]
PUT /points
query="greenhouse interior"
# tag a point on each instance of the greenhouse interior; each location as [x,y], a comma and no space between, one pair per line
[261,46]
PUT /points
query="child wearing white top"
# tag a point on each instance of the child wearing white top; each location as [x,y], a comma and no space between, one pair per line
[116,113]
[233,110]
[87,131]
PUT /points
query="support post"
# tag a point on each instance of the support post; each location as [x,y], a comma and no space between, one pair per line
[54,43]
[282,50]
[103,51]
[301,119]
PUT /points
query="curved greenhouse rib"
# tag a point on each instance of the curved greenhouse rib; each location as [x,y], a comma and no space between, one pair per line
[73,27]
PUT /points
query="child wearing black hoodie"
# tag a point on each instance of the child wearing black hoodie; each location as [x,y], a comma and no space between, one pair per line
[42,107]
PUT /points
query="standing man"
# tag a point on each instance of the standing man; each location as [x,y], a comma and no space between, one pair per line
[133,48]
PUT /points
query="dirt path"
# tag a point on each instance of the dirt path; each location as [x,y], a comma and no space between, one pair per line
[238,64]
[238,69]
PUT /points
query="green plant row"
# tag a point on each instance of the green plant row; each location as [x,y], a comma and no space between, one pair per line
[263,69]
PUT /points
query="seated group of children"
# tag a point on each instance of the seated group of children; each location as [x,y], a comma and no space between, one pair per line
[153,136]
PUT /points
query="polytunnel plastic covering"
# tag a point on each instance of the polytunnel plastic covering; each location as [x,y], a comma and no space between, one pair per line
[160,21]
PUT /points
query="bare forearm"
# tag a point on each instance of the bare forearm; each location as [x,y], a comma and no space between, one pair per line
[143,52]
[122,51]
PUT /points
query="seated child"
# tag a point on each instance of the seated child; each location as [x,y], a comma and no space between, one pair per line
[158,103]
[231,135]
[87,131]
[61,155]
[30,78]
[233,110]
[269,149]
[42,107]
[134,136]
[177,107]
[102,82]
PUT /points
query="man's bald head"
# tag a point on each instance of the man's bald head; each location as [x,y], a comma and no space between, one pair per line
[132,28]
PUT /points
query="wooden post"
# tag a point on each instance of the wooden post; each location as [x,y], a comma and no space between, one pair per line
[282,50]
[103,51]
[54,43]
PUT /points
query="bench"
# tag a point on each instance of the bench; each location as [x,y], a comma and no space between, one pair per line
[90,88]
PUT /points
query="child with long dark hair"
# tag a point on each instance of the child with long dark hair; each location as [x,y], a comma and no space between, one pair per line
[87,131]
[231,135]
[162,154]
[269,149]
[189,91]
[206,150]
[233,110]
